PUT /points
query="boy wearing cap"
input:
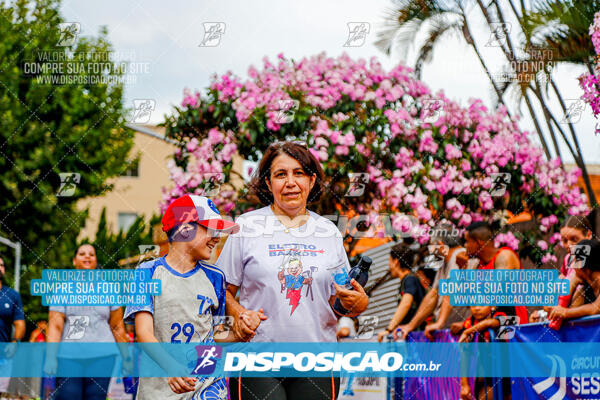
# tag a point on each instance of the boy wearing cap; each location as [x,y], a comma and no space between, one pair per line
[192,295]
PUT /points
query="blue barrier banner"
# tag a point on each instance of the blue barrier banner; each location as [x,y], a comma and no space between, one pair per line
[574,375]
[404,359]
[96,287]
[434,387]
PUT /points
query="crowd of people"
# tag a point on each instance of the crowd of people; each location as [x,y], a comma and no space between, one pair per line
[420,307]
[280,284]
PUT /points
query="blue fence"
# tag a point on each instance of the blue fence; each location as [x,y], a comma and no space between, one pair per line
[572,375]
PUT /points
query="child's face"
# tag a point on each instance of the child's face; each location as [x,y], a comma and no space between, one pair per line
[569,237]
[481,312]
[202,245]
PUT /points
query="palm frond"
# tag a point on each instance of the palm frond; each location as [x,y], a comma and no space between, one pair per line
[439,27]
[563,27]
[402,23]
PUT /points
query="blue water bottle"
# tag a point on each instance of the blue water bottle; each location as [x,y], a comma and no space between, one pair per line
[360,273]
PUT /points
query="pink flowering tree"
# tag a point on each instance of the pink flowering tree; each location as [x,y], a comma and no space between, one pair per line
[590,82]
[423,158]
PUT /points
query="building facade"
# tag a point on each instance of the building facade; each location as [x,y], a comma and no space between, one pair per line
[139,190]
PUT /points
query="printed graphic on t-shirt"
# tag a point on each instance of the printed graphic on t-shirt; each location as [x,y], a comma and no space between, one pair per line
[294,249]
[293,276]
[77,326]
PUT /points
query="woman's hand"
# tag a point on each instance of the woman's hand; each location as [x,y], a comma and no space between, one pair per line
[182,385]
[455,328]
[382,335]
[466,336]
[558,312]
[127,366]
[246,324]
[355,301]
[429,329]
[50,366]
[10,349]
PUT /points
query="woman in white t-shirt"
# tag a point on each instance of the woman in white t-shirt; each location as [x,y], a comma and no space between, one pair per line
[84,324]
[284,261]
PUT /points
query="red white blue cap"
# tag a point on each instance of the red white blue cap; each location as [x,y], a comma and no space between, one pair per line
[200,209]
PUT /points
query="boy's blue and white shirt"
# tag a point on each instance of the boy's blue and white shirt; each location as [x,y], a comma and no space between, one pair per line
[187,310]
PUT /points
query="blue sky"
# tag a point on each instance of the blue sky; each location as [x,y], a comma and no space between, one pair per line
[166,37]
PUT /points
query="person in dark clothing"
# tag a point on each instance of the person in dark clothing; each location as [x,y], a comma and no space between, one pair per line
[411,292]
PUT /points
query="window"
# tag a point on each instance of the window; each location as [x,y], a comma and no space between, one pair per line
[126,219]
[132,168]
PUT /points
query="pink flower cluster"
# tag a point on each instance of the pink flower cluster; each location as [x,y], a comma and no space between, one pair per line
[507,239]
[590,83]
[425,155]
[209,155]
[595,32]
[549,258]
[547,222]
[189,99]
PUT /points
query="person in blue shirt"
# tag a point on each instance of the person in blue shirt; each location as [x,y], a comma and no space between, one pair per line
[11,313]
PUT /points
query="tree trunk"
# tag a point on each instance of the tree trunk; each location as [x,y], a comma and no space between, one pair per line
[537,125]
[470,41]
[510,57]
[580,162]
[548,118]
[577,154]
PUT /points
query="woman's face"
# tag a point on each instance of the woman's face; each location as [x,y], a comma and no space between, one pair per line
[85,257]
[289,184]
[571,236]
[472,245]
[394,267]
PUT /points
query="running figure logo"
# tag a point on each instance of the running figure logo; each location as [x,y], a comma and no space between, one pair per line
[500,181]
[207,359]
[212,34]
[294,279]
[68,33]
[357,34]
[68,183]
[77,326]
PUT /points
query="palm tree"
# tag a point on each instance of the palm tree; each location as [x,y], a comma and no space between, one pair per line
[561,30]
[441,18]
[574,13]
